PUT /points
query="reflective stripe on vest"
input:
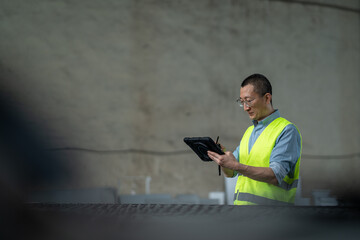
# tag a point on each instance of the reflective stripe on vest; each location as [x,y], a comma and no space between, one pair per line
[249,191]
[247,197]
[288,186]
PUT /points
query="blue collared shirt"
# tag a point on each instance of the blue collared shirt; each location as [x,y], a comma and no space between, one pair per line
[286,151]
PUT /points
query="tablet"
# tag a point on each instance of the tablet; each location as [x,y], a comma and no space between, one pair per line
[200,145]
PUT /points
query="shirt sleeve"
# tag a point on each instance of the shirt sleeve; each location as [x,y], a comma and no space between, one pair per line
[236,153]
[285,153]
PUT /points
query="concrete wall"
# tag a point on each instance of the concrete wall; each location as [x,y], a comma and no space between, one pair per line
[122,75]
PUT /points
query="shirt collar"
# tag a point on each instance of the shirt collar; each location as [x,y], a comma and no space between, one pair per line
[266,121]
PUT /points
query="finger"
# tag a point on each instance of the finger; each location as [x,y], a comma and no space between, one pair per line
[213,157]
[223,148]
[214,154]
[210,154]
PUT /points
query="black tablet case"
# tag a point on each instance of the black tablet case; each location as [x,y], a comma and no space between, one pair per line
[200,145]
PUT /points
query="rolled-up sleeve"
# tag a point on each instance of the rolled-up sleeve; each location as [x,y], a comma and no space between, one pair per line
[236,153]
[285,153]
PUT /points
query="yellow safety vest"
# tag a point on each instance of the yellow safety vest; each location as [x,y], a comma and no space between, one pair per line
[252,192]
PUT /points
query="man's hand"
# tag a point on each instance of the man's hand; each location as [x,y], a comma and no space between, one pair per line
[229,164]
[227,160]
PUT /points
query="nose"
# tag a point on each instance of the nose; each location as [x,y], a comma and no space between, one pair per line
[246,108]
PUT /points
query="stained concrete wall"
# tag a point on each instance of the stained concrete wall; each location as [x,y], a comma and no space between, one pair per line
[95,77]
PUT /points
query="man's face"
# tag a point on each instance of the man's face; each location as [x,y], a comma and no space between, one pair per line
[258,104]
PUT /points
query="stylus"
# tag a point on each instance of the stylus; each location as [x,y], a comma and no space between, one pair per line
[217,139]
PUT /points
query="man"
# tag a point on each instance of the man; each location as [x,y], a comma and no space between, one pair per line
[267,160]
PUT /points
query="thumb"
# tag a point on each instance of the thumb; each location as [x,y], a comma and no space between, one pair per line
[229,154]
[222,148]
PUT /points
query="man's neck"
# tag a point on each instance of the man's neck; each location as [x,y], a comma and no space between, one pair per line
[269,112]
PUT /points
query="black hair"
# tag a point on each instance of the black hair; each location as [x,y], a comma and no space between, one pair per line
[260,82]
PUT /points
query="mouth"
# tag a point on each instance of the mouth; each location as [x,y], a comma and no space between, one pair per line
[251,114]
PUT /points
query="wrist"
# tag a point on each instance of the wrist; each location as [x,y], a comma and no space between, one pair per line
[241,168]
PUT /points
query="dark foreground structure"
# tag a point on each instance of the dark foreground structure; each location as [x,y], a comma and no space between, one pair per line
[174,221]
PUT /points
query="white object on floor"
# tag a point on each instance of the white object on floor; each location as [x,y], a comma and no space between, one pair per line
[218,195]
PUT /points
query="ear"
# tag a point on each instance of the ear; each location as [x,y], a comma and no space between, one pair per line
[268,98]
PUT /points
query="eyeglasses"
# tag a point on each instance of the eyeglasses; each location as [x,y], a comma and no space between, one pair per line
[248,103]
